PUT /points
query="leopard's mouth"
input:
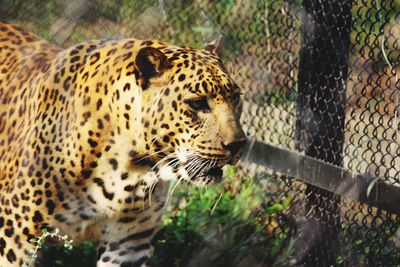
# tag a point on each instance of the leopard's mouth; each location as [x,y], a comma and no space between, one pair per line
[199,170]
[208,175]
[214,174]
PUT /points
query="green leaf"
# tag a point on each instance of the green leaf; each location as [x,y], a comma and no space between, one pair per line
[287,201]
[274,208]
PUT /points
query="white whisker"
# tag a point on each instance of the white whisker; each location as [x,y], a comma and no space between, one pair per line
[152,154]
[216,203]
[172,191]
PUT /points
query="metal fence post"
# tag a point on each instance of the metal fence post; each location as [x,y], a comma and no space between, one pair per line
[323,70]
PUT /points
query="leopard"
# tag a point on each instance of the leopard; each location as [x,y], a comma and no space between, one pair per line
[92,136]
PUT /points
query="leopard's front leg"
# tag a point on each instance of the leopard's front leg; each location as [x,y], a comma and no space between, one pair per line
[133,250]
[126,240]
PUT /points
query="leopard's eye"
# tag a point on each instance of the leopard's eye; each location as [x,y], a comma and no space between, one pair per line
[199,104]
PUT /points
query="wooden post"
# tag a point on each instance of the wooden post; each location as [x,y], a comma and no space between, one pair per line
[323,70]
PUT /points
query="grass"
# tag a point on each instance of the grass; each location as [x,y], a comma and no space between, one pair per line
[224,225]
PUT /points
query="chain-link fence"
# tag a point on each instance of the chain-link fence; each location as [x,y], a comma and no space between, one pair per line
[321,103]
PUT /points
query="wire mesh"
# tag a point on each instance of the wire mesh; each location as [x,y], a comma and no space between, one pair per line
[319,77]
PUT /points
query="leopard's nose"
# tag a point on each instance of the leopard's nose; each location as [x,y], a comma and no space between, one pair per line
[235,146]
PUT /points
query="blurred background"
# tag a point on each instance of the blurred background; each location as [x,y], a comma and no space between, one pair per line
[318,185]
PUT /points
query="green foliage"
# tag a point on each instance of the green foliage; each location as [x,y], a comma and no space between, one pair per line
[224,225]
[36,15]
[360,249]
[109,9]
[83,254]
[41,244]
[373,19]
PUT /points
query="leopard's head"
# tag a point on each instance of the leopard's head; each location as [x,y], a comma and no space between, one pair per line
[190,112]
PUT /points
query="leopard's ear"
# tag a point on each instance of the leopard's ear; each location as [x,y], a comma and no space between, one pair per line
[150,62]
[215,46]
